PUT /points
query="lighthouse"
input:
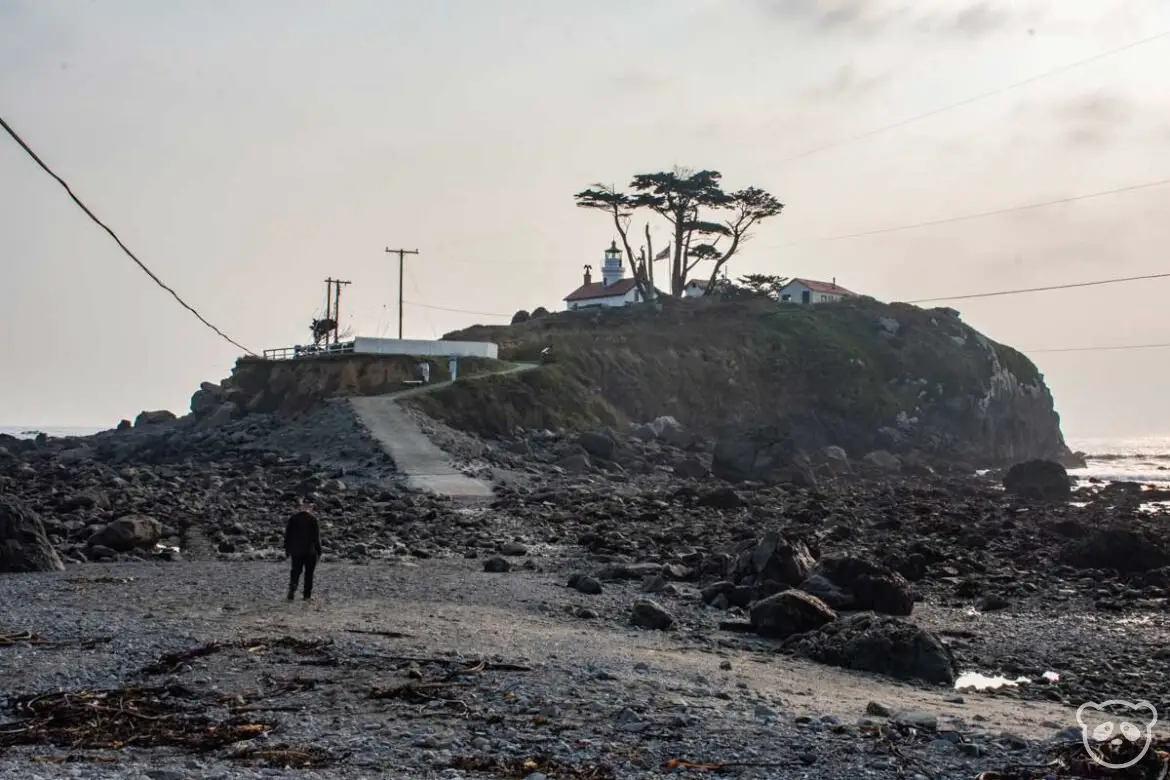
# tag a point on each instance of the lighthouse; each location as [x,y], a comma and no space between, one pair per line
[611,268]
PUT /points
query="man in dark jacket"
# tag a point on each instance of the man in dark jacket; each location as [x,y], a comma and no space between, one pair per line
[302,543]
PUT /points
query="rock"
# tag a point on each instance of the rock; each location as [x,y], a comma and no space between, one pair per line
[598,445]
[723,498]
[577,463]
[24,547]
[690,468]
[846,582]
[882,644]
[878,710]
[773,559]
[124,425]
[761,456]
[583,583]
[497,565]
[222,415]
[131,532]
[1043,480]
[883,461]
[154,418]
[670,431]
[789,612]
[513,549]
[1123,549]
[835,461]
[649,614]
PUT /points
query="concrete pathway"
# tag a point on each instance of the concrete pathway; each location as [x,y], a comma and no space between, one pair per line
[417,458]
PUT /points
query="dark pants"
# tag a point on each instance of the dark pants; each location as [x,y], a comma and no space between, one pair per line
[307,563]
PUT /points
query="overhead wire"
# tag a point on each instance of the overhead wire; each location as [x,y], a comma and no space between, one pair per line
[982,214]
[458,311]
[1101,349]
[23,145]
[1021,291]
[977,98]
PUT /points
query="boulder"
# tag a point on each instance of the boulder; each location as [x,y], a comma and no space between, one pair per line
[1122,549]
[1043,480]
[154,418]
[835,461]
[671,431]
[24,546]
[583,583]
[649,614]
[789,612]
[773,558]
[882,460]
[207,399]
[597,444]
[881,644]
[131,532]
[690,468]
[846,582]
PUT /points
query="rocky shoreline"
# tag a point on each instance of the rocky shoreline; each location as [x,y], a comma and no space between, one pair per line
[884,573]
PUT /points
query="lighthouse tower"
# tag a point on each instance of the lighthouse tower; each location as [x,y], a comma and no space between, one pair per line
[611,268]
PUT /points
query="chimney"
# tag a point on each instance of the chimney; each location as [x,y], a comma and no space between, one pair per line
[834,281]
[588,275]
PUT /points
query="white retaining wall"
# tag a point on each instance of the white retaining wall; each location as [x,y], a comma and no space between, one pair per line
[371,346]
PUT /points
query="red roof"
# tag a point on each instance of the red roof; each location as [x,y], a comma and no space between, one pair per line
[598,290]
[822,287]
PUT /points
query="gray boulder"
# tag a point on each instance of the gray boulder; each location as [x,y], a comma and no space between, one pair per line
[846,582]
[789,612]
[597,444]
[881,644]
[651,615]
[773,558]
[1042,480]
[24,546]
[131,532]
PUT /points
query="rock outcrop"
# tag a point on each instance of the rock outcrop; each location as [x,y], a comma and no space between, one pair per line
[775,385]
[24,546]
[881,644]
[1043,480]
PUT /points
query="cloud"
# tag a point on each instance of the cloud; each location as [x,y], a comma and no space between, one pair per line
[975,19]
[845,84]
[638,81]
[1095,118]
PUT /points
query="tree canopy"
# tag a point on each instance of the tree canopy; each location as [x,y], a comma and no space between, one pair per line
[707,223]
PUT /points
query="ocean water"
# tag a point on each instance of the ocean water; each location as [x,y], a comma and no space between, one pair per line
[56,431]
[1143,459]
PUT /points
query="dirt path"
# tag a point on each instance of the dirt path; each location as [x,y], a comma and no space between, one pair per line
[425,466]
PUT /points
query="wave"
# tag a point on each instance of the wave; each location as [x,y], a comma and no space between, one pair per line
[1110,456]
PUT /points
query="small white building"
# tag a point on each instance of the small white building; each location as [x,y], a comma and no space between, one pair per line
[812,291]
[696,288]
[613,289]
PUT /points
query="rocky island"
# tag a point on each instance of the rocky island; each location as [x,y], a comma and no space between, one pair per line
[723,539]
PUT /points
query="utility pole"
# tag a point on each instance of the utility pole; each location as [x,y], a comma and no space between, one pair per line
[334,286]
[401,255]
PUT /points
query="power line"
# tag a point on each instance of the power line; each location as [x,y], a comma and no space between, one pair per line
[976,98]
[1102,349]
[458,311]
[1095,283]
[117,240]
[982,214]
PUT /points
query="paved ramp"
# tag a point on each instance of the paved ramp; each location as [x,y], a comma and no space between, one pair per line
[425,466]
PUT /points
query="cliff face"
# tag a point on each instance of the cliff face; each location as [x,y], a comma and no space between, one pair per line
[861,375]
[294,386]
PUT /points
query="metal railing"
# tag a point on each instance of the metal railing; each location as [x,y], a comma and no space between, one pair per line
[301,352]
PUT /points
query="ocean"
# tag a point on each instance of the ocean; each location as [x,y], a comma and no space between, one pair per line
[1145,459]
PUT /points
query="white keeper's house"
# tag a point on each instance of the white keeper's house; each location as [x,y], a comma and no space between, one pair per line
[614,289]
[812,291]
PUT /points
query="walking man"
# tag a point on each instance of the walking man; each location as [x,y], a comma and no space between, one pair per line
[302,543]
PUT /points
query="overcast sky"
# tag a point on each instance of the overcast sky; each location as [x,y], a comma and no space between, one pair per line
[247,150]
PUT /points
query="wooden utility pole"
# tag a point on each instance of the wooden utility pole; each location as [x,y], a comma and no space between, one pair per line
[401,256]
[336,314]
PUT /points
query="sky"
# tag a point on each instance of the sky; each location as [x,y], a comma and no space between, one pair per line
[245,151]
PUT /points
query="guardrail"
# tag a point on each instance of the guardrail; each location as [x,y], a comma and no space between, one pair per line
[300,352]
